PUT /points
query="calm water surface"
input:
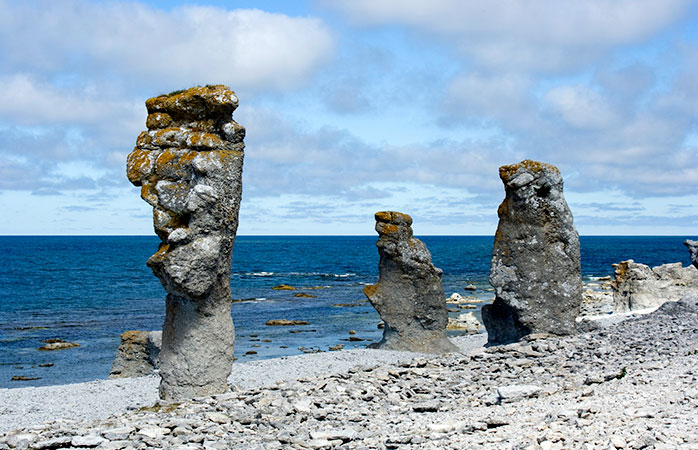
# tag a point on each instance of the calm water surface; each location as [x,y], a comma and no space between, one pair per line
[89,289]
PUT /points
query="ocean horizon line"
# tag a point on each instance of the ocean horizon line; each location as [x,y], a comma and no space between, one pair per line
[335,235]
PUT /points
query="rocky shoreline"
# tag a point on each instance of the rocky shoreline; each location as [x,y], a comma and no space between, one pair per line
[628,385]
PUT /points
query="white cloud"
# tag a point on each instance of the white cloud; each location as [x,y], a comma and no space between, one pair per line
[581,106]
[187,46]
[532,35]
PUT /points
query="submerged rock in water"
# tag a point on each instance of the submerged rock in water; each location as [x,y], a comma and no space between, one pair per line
[693,250]
[137,355]
[57,344]
[636,286]
[408,296]
[535,267]
[189,166]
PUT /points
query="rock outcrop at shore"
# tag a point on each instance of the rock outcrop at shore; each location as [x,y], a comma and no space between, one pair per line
[627,386]
[637,286]
[408,296]
[189,166]
[137,355]
[535,267]
[693,250]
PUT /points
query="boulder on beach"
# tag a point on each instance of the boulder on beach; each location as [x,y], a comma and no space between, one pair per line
[465,322]
[137,355]
[637,286]
[188,164]
[535,267]
[408,296]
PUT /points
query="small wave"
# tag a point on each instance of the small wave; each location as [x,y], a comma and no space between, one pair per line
[255,274]
[295,274]
[249,300]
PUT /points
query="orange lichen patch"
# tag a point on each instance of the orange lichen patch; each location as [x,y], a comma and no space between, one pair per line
[507,172]
[195,103]
[205,140]
[170,137]
[174,163]
[621,271]
[158,120]
[149,194]
[144,140]
[370,290]
[160,255]
[165,158]
[383,216]
[387,228]
[503,209]
[139,165]
[393,217]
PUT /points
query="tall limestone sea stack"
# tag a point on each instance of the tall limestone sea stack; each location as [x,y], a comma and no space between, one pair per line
[535,267]
[189,166]
[408,296]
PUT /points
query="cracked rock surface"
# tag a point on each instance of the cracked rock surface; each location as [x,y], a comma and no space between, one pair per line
[630,386]
[409,295]
[189,167]
[535,267]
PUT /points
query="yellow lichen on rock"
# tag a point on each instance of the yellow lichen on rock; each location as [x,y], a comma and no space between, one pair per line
[506,173]
[139,166]
[370,290]
[158,120]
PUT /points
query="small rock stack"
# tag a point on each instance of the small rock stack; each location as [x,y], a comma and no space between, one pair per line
[408,296]
[637,286]
[137,356]
[189,166]
[535,267]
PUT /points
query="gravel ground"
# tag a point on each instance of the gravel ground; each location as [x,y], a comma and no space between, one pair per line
[32,406]
[627,385]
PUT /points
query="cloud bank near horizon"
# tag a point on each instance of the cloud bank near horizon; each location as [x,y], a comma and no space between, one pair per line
[361,106]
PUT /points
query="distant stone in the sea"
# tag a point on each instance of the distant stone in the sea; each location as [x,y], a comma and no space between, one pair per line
[57,344]
[535,267]
[408,296]
[693,250]
[189,166]
[637,286]
[137,356]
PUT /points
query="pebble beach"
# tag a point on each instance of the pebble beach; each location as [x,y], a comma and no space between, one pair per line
[614,385]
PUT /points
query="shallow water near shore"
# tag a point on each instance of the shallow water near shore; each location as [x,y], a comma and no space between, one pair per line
[89,289]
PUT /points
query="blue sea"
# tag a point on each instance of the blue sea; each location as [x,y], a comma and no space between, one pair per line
[90,289]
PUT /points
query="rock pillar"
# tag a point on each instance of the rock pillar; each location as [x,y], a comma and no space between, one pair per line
[535,267]
[189,166]
[693,250]
[408,296]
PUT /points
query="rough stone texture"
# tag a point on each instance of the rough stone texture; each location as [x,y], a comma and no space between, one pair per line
[137,355]
[465,322]
[535,266]
[627,386]
[693,250]
[408,296]
[189,166]
[636,286]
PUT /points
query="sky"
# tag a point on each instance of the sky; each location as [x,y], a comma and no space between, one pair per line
[358,106]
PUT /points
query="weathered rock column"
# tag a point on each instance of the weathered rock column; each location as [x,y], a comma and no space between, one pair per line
[535,267]
[189,164]
[693,250]
[408,296]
